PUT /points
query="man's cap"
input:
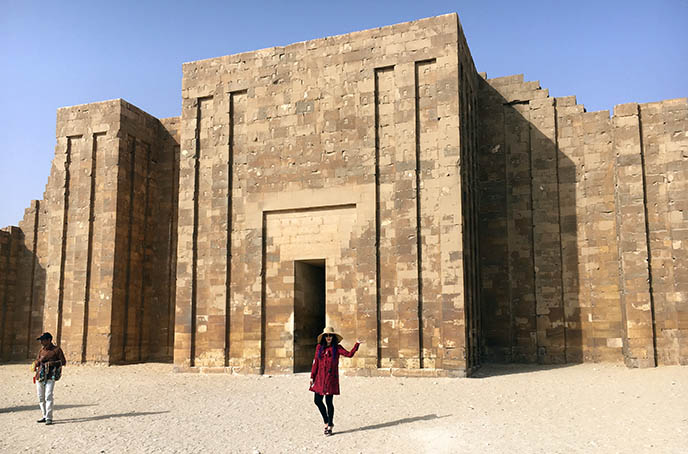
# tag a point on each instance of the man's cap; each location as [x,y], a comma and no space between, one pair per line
[46,336]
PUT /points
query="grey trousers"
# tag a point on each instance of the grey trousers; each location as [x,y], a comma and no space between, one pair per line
[45,397]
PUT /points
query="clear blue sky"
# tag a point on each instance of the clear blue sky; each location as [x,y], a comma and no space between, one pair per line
[62,53]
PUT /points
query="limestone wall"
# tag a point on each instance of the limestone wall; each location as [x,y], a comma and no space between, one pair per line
[80,207]
[144,244]
[572,203]
[344,149]
[10,238]
[452,219]
[470,199]
[69,272]
[663,142]
[22,282]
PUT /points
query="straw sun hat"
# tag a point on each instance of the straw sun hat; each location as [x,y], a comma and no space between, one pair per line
[329,330]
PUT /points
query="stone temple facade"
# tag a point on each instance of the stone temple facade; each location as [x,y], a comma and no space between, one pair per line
[374,182]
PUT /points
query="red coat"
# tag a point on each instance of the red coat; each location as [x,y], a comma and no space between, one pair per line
[325,370]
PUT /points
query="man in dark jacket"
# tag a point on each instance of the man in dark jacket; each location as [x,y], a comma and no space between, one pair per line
[48,366]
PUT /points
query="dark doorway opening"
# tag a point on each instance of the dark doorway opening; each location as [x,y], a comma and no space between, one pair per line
[309,310]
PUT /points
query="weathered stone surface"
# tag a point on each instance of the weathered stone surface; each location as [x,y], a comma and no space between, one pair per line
[346,150]
[372,181]
[597,239]
[97,266]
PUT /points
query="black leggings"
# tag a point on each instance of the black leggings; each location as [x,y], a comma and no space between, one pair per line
[327,414]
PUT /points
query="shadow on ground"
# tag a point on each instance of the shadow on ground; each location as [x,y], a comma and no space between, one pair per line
[101,417]
[392,423]
[495,369]
[35,407]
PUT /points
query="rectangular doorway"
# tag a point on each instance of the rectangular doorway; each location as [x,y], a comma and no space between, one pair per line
[309,310]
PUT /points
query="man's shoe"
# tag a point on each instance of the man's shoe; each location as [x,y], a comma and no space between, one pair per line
[41,420]
[48,422]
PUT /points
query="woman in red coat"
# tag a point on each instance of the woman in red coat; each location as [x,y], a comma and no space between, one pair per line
[325,373]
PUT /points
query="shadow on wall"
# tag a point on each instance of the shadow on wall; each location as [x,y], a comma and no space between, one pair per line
[94,261]
[530,310]
[142,324]
[22,280]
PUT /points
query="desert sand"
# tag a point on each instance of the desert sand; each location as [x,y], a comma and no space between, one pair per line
[147,408]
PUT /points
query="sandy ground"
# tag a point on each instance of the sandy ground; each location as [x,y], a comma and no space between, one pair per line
[147,408]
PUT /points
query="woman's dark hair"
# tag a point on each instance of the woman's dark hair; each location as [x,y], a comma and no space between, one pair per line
[323,345]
